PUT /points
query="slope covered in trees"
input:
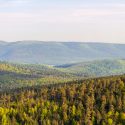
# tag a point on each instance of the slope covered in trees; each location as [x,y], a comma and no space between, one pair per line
[95,101]
[98,67]
[13,77]
[36,66]
[55,53]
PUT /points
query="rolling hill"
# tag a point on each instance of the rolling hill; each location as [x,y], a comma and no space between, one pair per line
[98,67]
[56,53]
[36,66]
[104,67]
[16,77]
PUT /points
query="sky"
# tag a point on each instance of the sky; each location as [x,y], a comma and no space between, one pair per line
[63,20]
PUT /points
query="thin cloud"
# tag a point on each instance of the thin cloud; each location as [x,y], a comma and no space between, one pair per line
[102,5]
[90,16]
[65,15]
[13,3]
[19,15]
[75,14]
[92,12]
[116,5]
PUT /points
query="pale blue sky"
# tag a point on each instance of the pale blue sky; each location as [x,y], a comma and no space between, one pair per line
[63,20]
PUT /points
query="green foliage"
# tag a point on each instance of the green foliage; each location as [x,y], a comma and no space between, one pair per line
[122,117]
[14,77]
[99,67]
[69,103]
[93,119]
[109,121]
[73,111]
[109,114]
[121,85]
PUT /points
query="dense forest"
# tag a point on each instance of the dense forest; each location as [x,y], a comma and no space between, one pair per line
[13,77]
[95,101]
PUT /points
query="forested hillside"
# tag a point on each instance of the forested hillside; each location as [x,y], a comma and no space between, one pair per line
[98,67]
[95,101]
[13,77]
[55,53]
[36,66]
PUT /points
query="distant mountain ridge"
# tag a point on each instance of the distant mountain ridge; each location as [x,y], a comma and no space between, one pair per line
[56,53]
